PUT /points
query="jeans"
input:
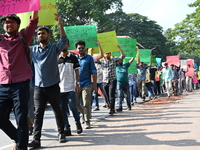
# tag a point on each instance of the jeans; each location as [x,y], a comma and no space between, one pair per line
[123,89]
[154,87]
[42,95]
[15,96]
[133,92]
[149,89]
[110,88]
[69,98]
[100,85]
[158,87]
[31,106]
[86,97]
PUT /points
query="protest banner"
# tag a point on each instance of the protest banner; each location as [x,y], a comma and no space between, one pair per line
[183,64]
[86,33]
[173,60]
[190,72]
[108,41]
[145,55]
[158,60]
[18,6]
[128,46]
[153,60]
[132,68]
[190,62]
[48,8]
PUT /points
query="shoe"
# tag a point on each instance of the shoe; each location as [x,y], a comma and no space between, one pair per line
[129,108]
[96,109]
[150,98]
[111,112]
[67,132]
[62,138]
[104,106]
[119,109]
[135,101]
[30,130]
[87,125]
[34,144]
[132,103]
[79,129]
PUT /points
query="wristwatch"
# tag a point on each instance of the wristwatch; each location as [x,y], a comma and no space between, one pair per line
[78,83]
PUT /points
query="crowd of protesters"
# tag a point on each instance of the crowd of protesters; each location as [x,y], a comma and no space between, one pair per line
[71,82]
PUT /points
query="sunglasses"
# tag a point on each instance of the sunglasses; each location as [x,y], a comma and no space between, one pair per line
[81,48]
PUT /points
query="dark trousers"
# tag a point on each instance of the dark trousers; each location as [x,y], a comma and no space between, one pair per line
[110,88]
[158,87]
[15,96]
[42,95]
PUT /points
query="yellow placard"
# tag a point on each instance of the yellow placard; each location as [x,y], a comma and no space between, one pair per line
[46,14]
[108,41]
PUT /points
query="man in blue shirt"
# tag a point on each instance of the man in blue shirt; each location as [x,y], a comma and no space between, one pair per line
[141,77]
[87,69]
[44,57]
[122,83]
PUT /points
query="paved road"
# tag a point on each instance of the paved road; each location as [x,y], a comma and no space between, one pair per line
[148,126]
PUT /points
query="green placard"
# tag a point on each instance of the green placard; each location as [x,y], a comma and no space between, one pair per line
[132,68]
[128,46]
[153,60]
[145,55]
[86,33]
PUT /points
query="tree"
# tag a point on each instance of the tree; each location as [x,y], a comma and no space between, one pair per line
[147,32]
[186,33]
[81,12]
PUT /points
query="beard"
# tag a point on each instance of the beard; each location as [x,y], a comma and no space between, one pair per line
[43,40]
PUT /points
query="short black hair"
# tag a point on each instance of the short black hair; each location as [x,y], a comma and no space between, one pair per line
[43,27]
[80,42]
[12,17]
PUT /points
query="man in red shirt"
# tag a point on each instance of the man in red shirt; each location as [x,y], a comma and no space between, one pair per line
[15,73]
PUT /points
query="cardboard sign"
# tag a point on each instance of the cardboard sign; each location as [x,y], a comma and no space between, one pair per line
[48,8]
[173,60]
[108,41]
[132,68]
[86,33]
[190,72]
[158,60]
[145,55]
[128,46]
[18,6]
[183,64]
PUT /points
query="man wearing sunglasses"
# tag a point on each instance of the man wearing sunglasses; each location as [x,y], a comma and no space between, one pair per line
[87,70]
[15,73]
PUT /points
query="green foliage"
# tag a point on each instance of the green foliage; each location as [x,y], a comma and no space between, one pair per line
[81,12]
[147,32]
[186,33]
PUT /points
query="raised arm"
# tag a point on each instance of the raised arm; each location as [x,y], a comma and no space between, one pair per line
[59,19]
[131,60]
[100,51]
[34,15]
[121,51]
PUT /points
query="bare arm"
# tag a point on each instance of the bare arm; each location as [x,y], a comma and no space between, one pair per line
[94,77]
[34,15]
[59,19]
[77,88]
[121,51]
[100,50]
[131,60]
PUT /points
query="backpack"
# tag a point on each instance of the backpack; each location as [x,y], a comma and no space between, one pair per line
[26,48]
